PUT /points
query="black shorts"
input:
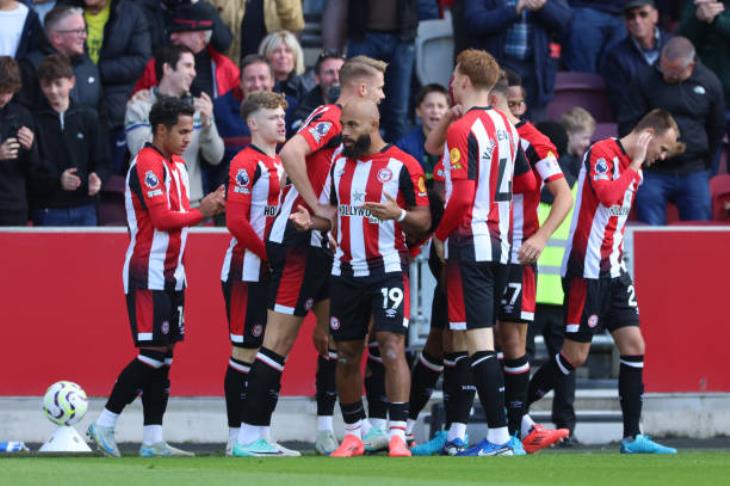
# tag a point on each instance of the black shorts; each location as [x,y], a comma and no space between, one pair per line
[590,302]
[474,291]
[439,308]
[246,312]
[299,277]
[156,317]
[353,300]
[518,299]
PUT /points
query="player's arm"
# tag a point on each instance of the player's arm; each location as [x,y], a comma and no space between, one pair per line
[437,137]
[294,158]
[611,192]
[463,184]
[238,208]
[532,248]
[304,221]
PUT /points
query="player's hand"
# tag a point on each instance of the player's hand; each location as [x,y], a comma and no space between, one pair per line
[531,249]
[438,247]
[325,211]
[321,339]
[94,184]
[204,105]
[214,202]
[454,113]
[384,211]
[642,146]
[140,96]
[331,241]
[70,181]
[25,137]
[301,218]
[9,149]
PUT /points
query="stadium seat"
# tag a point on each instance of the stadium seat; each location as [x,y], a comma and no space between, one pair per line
[580,89]
[435,40]
[720,193]
[111,207]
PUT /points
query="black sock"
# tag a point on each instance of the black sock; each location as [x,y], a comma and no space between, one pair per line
[352,413]
[262,391]
[547,377]
[424,376]
[326,387]
[516,379]
[489,383]
[463,390]
[132,379]
[631,392]
[166,378]
[153,397]
[375,384]
[234,387]
[448,386]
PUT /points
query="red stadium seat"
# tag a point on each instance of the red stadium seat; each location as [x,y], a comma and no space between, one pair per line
[720,192]
[111,207]
[580,89]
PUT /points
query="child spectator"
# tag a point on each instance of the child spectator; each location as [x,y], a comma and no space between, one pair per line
[74,157]
[580,126]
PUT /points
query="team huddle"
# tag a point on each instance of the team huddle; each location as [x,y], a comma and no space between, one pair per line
[328,224]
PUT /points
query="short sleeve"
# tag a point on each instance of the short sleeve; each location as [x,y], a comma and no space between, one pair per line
[438,171]
[412,184]
[150,181]
[320,130]
[524,180]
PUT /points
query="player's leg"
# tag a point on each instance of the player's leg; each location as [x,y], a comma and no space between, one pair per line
[623,322]
[375,428]
[326,388]
[459,391]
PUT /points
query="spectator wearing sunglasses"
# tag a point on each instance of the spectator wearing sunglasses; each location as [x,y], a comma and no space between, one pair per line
[640,48]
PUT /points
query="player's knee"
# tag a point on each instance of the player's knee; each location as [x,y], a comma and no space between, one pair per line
[391,350]
[348,357]
[576,354]
[279,342]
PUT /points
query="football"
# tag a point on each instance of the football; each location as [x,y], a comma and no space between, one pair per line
[65,403]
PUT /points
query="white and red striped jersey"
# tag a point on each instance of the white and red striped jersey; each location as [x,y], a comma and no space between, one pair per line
[481,146]
[606,190]
[252,198]
[541,155]
[365,244]
[154,258]
[322,131]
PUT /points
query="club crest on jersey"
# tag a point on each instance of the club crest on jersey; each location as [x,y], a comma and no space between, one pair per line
[320,130]
[593,321]
[150,179]
[308,304]
[165,328]
[385,175]
[334,323]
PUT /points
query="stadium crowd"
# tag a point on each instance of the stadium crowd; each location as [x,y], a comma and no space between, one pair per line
[57,156]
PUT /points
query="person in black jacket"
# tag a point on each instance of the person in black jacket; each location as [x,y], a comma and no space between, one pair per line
[640,48]
[327,77]
[118,42]
[65,30]
[74,160]
[17,148]
[693,95]
[386,30]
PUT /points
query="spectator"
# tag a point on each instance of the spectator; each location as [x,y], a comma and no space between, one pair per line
[579,126]
[286,57]
[517,33]
[639,49]
[692,94]
[251,20]
[432,103]
[707,24]
[327,77]
[42,7]
[598,27]
[118,42]
[66,33]
[74,161]
[192,26]
[17,150]
[20,29]
[175,66]
[386,30]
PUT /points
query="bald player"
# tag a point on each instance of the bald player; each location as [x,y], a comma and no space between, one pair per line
[379,194]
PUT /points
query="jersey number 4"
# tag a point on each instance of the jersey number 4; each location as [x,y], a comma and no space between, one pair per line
[504,181]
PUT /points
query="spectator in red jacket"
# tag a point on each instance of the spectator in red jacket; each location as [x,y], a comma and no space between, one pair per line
[191,26]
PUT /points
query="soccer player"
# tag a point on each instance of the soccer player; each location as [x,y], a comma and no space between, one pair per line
[472,237]
[528,240]
[300,261]
[252,200]
[380,195]
[598,289]
[158,216]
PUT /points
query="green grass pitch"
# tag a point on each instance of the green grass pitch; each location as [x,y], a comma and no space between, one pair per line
[583,468]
